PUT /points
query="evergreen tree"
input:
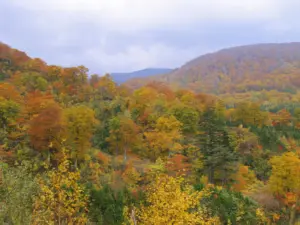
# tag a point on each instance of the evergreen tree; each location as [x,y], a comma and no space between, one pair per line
[218,155]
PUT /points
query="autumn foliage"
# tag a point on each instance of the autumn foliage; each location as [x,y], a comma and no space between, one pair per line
[77,148]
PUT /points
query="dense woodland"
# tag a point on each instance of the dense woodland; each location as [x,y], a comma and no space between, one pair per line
[79,149]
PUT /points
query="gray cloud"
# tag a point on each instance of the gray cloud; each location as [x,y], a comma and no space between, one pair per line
[125,35]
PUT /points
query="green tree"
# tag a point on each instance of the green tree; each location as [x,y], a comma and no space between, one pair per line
[18,190]
[124,135]
[231,207]
[9,110]
[107,205]
[188,116]
[219,156]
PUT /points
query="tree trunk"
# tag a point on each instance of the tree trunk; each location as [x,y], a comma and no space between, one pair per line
[211,175]
[133,217]
[125,155]
[76,162]
[49,157]
[292,215]
[224,178]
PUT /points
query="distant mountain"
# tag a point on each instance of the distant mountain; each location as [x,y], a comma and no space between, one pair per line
[238,69]
[123,77]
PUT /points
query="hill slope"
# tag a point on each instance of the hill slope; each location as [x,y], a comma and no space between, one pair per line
[123,77]
[238,69]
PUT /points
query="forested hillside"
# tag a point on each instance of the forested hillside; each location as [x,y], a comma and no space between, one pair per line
[79,149]
[239,69]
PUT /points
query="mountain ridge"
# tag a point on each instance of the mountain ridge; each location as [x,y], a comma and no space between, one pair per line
[123,77]
[236,69]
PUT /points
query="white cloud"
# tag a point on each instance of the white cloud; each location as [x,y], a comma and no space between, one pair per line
[145,14]
[139,57]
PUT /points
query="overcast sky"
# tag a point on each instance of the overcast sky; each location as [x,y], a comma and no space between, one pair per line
[127,35]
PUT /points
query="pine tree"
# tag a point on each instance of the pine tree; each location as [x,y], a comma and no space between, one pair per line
[218,155]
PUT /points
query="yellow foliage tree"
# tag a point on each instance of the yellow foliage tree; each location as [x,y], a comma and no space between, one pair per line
[168,203]
[105,88]
[80,122]
[250,114]
[61,199]
[165,138]
[285,180]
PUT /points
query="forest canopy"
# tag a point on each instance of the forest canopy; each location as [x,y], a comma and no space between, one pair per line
[77,148]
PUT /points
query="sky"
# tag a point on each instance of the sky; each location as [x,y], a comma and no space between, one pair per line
[127,35]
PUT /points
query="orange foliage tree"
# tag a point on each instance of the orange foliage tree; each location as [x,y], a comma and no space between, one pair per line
[46,129]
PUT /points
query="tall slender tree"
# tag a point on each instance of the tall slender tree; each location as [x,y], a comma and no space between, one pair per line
[218,155]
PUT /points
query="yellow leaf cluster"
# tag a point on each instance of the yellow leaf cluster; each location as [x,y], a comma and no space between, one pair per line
[165,137]
[285,175]
[168,203]
[61,199]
